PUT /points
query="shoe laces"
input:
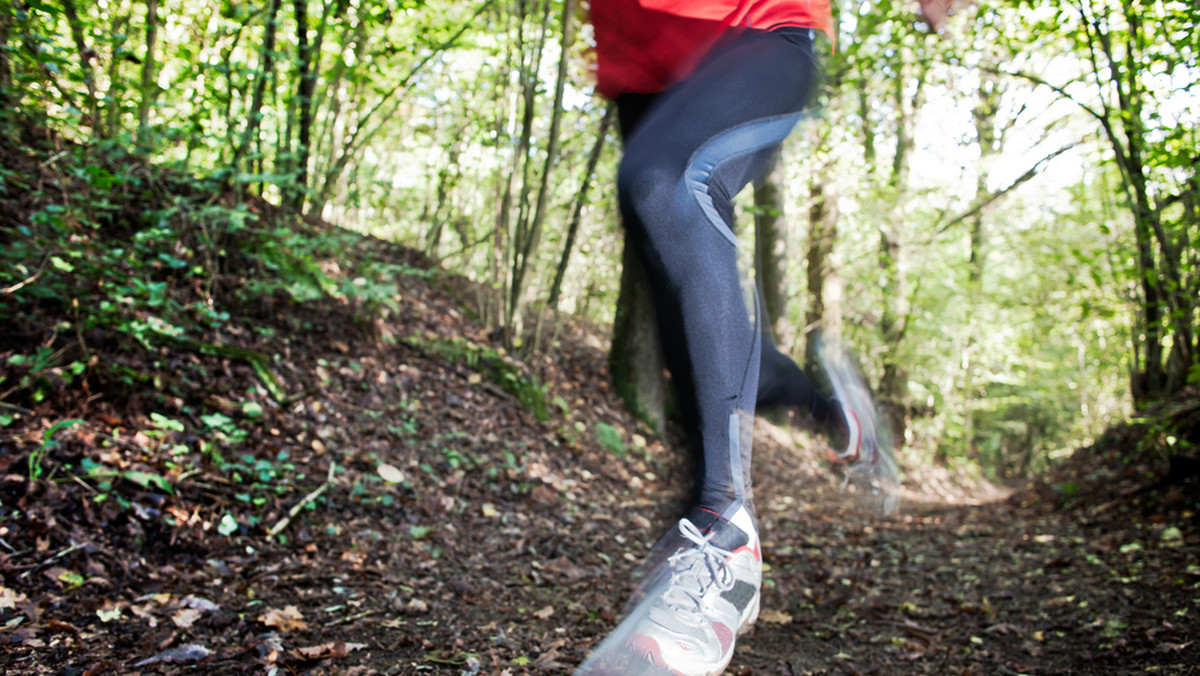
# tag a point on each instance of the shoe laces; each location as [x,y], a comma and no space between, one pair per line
[695,570]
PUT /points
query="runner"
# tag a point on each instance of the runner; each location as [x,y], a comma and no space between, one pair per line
[706,91]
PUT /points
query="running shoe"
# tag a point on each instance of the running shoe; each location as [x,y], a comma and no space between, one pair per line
[858,411]
[689,626]
[868,449]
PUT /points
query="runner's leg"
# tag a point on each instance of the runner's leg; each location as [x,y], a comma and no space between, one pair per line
[692,151]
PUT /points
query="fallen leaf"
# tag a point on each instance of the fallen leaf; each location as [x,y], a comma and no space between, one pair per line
[285,620]
[109,612]
[198,603]
[335,650]
[144,612]
[9,598]
[192,652]
[773,616]
[544,613]
[59,625]
[69,578]
[564,567]
[185,618]
[548,660]
[391,474]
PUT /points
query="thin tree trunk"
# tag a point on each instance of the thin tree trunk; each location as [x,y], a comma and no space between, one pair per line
[893,320]
[149,78]
[118,30]
[527,249]
[86,54]
[266,65]
[447,179]
[589,172]
[522,161]
[491,305]
[985,132]
[770,245]
[5,65]
[822,234]
[307,66]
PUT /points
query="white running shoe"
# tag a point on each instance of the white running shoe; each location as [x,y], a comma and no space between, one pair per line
[711,597]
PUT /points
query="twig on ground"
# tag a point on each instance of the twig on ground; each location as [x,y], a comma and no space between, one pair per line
[285,521]
[27,281]
[350,618]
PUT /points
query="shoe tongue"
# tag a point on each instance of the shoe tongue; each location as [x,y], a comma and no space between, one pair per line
[725,535]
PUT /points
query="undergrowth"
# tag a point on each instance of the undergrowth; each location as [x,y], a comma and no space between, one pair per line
[124,280]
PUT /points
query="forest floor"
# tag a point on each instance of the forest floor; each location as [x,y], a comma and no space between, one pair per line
[446,528]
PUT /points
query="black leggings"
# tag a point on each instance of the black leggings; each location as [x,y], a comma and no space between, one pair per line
[688,152]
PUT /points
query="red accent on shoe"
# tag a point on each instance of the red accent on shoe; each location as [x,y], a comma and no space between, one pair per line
[755,550]
[858,449]
[647,649]
[724,635]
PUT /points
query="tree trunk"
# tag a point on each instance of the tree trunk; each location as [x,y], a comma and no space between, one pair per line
[149,78]
[5,65]
[822,234]
[306,65]
[893,320]
[525,248]
[636,357]
[113,96]
[447,179]
[580,202]
[266,66]
[985,132]
[495,310]
[770,245]
[86,54]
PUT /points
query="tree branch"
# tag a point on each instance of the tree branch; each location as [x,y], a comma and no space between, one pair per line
[357,137]
[992,197]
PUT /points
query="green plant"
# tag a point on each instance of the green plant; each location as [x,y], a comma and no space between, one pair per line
[48,442]
[44,369]
[609,438]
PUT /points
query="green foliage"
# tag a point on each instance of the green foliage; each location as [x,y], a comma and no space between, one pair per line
[41,372]
[48,442]
[610,439]
[511,375]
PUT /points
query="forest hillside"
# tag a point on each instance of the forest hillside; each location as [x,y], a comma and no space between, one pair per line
[317,460]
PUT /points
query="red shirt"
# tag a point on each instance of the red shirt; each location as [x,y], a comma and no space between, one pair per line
[645,46]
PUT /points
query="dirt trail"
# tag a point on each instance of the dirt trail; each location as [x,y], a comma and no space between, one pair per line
[462,535]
